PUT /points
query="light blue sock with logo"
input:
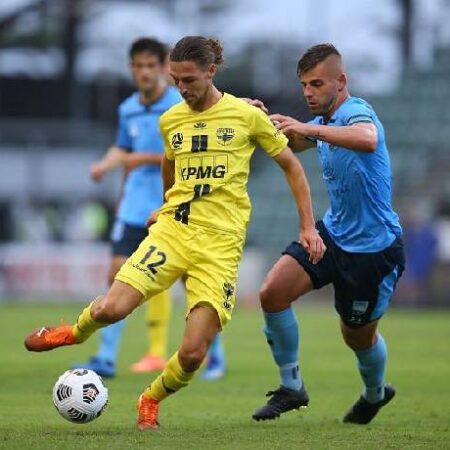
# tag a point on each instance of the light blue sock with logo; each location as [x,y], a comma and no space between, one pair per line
[371,365]
[109,341]
[282,335]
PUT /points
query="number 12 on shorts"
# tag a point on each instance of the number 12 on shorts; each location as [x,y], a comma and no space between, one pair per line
[153,265]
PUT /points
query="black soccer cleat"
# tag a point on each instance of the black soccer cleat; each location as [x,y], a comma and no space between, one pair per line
[362,412]
[283,400]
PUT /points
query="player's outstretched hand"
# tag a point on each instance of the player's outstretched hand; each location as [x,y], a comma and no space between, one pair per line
[313,244]
[152,219]
[258,103]
[97,171]
[289,126]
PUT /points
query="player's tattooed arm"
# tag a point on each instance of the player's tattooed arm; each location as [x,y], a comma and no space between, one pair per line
[296,178]
[360,136]
[297,142]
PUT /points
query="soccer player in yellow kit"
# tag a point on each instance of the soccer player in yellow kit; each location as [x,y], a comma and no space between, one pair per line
[200,229]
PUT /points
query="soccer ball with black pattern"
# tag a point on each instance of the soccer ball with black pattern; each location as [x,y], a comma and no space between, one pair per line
[80,395]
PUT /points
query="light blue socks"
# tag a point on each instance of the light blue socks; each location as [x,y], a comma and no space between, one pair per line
[371,365]
[109,341]
[282,334]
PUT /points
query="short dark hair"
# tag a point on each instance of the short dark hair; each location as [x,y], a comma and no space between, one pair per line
[202,50]
[316,55]
[149,45]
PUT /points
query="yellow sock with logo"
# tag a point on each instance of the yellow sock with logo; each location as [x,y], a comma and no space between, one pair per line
[158,315]
[171,380]
[86,325]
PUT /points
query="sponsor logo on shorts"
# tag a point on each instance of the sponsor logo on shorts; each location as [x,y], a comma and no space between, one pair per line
[144,270]
[228,290]
[359,307]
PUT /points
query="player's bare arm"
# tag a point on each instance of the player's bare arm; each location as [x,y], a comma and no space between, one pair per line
[296,178]
[133,160]
[297,142]
[359,136]
[113,158]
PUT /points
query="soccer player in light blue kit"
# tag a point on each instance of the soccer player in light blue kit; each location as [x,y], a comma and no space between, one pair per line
[364,257]
[139,150]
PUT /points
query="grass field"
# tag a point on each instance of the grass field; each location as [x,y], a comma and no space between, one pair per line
[216,415]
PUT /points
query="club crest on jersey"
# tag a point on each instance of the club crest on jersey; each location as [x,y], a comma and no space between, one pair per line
[200,125]
[177,141]
[225,135]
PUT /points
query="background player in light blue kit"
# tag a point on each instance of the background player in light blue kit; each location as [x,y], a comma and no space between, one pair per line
[139,150]
[364,257]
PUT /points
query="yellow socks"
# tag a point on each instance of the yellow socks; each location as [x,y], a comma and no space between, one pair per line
[171,380]
[86,325]
[157,318]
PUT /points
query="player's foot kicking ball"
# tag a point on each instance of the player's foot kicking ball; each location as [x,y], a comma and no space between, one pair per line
[148,410]
[48,338]
[362,412]
[283,400]
[103,367]
[149,363]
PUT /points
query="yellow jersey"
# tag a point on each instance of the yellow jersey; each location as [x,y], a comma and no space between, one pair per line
[212,151]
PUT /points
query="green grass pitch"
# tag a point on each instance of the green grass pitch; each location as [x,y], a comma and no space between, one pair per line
[216,415]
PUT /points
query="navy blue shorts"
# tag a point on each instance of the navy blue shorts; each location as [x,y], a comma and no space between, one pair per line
[363,282]
[125,239]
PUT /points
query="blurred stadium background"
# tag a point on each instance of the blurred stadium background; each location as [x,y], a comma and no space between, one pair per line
[63,72]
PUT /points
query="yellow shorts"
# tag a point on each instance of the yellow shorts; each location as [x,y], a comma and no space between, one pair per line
[209,259]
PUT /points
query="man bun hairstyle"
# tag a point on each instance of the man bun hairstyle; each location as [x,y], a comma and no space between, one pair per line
[149,45]
[202,50]
[316,55]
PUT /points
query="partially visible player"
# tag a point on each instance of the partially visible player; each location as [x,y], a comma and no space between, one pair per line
[364,257]
[200,229]
[139,150]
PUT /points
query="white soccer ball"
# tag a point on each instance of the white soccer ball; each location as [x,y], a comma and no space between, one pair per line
[80,395]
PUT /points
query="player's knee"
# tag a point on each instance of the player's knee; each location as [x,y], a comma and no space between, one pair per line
[268,295]
[358,341]
[108,311]
[191,358]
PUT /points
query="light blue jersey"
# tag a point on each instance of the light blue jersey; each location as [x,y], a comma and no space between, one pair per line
[139,132]
[360,217]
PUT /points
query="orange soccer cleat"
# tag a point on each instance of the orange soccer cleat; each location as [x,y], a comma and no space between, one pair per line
[149,363]
[148,410]
[48,338]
